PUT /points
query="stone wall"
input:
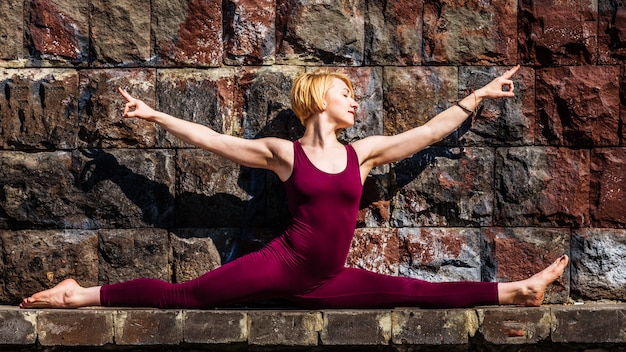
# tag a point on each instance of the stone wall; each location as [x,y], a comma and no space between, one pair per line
[87,194]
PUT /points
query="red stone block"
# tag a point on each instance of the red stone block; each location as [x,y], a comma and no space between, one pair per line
[188,32]
[470,32]
[608,187]
[611,32]
[558,33]
[59,30]
[249,32]
[521,252]
[75,328]
[578,106]
[375,250]
[542,186]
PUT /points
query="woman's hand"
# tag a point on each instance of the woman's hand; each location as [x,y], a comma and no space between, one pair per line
[141,109]
[496,88]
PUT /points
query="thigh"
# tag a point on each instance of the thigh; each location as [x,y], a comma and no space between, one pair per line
[358,288]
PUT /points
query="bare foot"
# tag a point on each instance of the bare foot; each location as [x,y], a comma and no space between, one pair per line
[530,292]
[67,294]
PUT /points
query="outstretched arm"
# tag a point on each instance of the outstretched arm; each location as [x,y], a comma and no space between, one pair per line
[267,153]
[378,150]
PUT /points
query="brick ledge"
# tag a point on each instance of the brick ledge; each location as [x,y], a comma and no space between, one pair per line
[589,324]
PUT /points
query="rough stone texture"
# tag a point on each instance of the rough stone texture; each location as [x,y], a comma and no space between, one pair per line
[441,254]
[503,122]
[225,240]
[375,210]
[284,328]
[59,30]
[186,32]
[202,96]
[81,328]
[597,264]
[442,186]
[356,328]
[472,31]
[18,327]
[393,32]
[413,95]
[250,32]
[193,257]
[611,32]
[129,254]
[215,327]
[510,326]
[558,32]
[12,31]
[101,124]
[578,106]
[37,260]
[433,327]
[38,109]
[543,186]
[608,187]
[375,250]
[148,327]
[518,253]
[120,32]
[298,38]
[589,324]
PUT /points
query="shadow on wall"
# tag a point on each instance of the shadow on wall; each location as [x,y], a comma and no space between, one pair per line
[160,208]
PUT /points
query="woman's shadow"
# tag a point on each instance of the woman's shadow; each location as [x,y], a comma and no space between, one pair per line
[264,212]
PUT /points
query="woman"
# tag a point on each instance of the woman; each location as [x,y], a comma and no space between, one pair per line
[323,179]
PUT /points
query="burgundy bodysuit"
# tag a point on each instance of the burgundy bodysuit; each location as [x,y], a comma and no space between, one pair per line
[306,264]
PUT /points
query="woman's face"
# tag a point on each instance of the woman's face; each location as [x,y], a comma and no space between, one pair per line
[339,105]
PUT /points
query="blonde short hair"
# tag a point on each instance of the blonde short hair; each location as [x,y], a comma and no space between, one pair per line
[309,91]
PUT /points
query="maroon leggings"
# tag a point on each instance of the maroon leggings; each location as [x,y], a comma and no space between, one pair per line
[274,272]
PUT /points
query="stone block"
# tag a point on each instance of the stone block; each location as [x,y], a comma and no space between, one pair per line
[588,324]
[578,106]
[433,327]
[12,32]
[362,327]
[500,122]
[299,24]
[441,254]
[215,326]
[473,32]
[127,254]
[35,260]
[125,188]
[414,95]
[38,109]
[442,186]
[192,257]
[375,249]
[18,327]
[59,31]
[393,33]
[211,191]
[543,186]
[598,264]
[250,28]
[186,32]
[75,327]
[611,32]
[101,124]
[554,33]
[515,326]
[148,327]
[120,32]
[519,253]
[375,207]
[225,240]
[284,328]
[203,96]
[608,187]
